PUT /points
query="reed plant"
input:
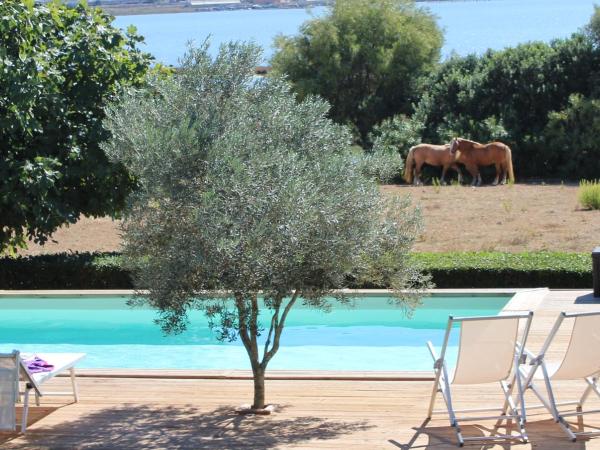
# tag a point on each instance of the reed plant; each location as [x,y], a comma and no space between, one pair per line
[589,194]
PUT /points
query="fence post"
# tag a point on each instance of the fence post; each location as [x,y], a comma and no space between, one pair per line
[596,270]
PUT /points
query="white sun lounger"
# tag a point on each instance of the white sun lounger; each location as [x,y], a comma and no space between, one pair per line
[13,370]
[487,354]
[581,361]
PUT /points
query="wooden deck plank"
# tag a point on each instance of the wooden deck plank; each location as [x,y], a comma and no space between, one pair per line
[194,414]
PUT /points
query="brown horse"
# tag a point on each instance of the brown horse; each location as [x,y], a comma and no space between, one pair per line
[473,154]
[434,155]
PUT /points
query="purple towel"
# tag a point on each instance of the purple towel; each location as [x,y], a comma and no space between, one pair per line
[36,365]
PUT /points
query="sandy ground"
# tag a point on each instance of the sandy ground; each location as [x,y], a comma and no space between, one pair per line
[87,235]
[503,218]
[522,217]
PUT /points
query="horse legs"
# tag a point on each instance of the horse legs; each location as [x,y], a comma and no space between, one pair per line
[455,167]
[444,170]
[474,171]
[504,173]
[498,173]
[418,167]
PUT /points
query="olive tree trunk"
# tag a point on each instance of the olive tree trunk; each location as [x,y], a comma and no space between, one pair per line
[259,388]
[248,328]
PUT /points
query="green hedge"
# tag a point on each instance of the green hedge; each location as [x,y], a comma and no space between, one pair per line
[64,271]
[449,270]
[498,270]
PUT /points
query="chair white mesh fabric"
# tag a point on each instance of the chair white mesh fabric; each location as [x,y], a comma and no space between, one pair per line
[488,352]
[9,390]
[581,361]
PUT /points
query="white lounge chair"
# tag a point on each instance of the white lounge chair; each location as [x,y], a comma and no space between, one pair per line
[487,353]
[581,361]
[13,369]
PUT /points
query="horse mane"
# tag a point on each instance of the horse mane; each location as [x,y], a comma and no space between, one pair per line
[469,141]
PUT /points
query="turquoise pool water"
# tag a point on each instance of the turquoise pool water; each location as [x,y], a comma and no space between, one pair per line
[371,335]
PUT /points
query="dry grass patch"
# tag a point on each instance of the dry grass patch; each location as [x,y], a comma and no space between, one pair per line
[511,218]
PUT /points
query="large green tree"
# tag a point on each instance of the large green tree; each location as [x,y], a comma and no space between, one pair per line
[593,27]
[58,68]
[249,203]
[365,57]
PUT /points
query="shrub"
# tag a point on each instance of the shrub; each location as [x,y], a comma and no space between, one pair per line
[65,271]
[397,134]
[508,270]
[589,194]
[449,270]
[381,163]
[570,139]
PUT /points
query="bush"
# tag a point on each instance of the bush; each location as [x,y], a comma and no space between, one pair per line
[508,270]
[65,271]
[449,270]
[381,163]
[570,139]
[397,134]
[589,194]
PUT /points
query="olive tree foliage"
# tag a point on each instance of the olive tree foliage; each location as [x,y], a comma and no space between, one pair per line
[249,198]
[58,68]
[365,57]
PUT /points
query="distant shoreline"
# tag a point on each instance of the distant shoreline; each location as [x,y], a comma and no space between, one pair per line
[142,9]
[134,10]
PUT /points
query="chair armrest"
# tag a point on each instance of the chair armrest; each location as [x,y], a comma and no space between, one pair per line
[528,354]
[530,357]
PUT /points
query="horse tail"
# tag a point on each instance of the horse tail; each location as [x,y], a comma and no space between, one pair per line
[509,164]
[408,167]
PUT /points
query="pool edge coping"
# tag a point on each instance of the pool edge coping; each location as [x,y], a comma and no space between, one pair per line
[272,375]
[129,292]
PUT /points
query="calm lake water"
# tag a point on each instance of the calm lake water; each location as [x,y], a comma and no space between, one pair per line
[470,26]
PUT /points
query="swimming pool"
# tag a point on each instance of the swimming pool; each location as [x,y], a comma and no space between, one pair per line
[372,335]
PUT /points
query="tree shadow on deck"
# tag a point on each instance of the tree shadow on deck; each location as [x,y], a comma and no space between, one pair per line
[160,427]
[543,434]
[36,413]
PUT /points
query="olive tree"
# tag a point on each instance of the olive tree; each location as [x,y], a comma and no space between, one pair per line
[249,203]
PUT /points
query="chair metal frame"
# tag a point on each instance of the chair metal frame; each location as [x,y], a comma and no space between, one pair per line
[442,385]
[539,362]
[30,384]
[33,382]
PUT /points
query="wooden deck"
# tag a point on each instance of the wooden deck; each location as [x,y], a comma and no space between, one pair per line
[164,413]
